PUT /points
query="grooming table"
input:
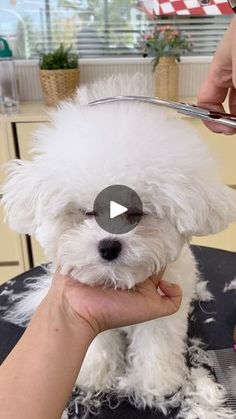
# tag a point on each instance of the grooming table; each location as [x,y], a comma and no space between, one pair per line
[217,266]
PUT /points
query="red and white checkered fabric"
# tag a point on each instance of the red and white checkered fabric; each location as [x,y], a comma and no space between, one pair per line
[186,7]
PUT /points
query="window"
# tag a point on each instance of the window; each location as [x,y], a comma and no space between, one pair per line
[95,28]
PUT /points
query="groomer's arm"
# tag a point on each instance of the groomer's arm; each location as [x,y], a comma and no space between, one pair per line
[221,79]
[37,378]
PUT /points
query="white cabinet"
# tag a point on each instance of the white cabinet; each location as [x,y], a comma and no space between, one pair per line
[16,250]
[25,132]
[12,257]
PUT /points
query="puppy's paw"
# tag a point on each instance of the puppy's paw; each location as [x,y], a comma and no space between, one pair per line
[104,362]
[97,376]
[144,389]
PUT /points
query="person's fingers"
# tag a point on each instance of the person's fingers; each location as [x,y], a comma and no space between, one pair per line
[233,57]
[232,101]
[58,271]
[169,289]
[211,96]
[167,304]
[171,300]
[211,92]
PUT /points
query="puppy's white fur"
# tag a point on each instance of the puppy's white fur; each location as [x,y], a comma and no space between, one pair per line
[84,150]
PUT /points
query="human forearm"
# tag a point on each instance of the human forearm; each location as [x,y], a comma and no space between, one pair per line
[37,378]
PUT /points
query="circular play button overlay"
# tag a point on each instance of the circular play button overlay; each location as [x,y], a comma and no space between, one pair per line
[118,209]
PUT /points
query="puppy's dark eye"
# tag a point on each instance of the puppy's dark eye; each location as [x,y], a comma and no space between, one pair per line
[132,214]
[85,213]
[90,213]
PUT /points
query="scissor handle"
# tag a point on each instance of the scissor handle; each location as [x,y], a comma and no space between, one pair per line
[214,114]
[209,115]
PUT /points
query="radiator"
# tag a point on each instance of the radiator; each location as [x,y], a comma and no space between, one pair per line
[193,70]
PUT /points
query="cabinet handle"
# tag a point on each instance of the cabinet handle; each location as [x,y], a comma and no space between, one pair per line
[13,263]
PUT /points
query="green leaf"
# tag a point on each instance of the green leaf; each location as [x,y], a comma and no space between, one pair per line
[59,59]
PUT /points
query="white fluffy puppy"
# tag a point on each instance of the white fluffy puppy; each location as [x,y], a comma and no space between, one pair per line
[84,150]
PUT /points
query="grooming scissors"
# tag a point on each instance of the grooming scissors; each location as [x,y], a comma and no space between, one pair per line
[183,108]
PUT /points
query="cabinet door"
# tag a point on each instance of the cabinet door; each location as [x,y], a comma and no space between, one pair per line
[25,131]
[8,272]
[223,147]
[9,241]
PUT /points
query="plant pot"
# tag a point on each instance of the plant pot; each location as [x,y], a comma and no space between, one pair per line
[58,85]
[167,79]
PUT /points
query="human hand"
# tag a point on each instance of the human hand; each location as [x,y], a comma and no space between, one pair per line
[221,80]
[101,308]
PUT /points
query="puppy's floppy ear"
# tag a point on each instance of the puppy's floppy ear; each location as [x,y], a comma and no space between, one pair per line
[200,208]
[20,196]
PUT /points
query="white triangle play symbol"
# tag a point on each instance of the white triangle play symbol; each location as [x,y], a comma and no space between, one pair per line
[116,209]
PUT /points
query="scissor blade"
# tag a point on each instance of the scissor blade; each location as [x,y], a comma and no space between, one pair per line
[193,111]
[146,99]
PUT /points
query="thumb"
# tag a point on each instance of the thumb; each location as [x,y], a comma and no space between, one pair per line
[171,291]
[156,278]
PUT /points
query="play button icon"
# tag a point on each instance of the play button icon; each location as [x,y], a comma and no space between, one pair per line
[117,209]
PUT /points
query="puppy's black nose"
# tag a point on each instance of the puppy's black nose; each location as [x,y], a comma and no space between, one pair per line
[109,249]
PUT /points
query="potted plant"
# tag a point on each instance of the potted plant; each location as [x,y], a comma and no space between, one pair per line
[59,74]
[166,44]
